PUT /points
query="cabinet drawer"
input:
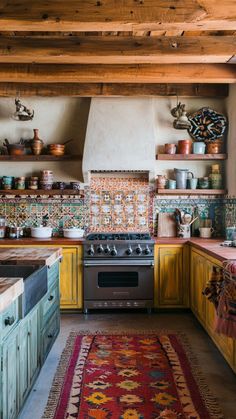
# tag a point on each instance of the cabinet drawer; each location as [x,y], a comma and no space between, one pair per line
[50,333]
[9,318]
[49,304]
[53,274]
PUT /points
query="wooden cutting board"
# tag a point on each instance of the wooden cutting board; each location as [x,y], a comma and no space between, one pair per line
[166,226]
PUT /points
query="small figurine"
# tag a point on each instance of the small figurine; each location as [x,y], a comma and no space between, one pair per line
[181,121]
[22,112]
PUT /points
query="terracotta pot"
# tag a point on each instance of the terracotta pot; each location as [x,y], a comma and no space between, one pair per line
[214,147]
[161,181]
[184,146]
[170,149]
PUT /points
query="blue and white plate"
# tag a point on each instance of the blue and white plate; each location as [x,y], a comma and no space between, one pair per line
[207,125]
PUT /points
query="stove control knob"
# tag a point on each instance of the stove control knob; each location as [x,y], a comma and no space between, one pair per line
[139,250]
[107,250]
[100,249]
[113,251]
[147,251]
[90,251]
[129,251]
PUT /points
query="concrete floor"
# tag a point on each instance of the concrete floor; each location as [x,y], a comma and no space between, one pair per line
[220,377]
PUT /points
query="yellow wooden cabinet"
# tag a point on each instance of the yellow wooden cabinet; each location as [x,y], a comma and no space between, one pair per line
[171,276]
[71,275]
[202,266]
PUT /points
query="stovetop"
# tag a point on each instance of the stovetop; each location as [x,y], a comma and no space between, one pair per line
[119,245]
[118,236]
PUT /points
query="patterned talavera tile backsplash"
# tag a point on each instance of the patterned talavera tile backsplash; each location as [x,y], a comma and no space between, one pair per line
[211,208]
[59,213]
[119,203]
[122,205]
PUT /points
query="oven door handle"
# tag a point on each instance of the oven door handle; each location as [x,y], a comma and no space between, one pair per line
[117,262]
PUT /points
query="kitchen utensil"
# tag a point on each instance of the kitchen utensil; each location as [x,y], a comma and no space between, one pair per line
[187,218]
[161,181]
[203,183]
[56,149]
[183,231]
[214,147]
[14,149]
[166,225]
[73,233]
[184,146]
[192,183]
[15,232]
[193,221]
[170,148]
[206,232]
[171,184]
[41,232]
[181,176]
[199,147]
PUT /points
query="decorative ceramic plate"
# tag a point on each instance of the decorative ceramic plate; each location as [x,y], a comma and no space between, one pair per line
[207,124]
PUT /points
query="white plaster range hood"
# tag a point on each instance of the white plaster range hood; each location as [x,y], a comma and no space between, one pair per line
[120,136]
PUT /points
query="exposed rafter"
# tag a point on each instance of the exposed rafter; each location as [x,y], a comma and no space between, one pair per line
[117,50]
[128,15]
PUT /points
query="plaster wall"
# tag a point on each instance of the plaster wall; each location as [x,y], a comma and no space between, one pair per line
[231,146]
[126,133]
[58,120]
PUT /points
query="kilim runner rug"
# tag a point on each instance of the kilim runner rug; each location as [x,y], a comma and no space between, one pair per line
[129,376]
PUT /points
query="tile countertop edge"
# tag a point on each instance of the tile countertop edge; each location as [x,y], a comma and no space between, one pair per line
[27,256]
[10,289]
[27,241]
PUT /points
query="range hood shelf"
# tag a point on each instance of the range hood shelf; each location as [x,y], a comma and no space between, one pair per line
[191,191]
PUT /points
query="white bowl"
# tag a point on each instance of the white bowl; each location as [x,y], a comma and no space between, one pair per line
[73,233]
[41,232]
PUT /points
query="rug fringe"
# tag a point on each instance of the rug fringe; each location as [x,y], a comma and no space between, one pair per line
[59,377]
[210,400]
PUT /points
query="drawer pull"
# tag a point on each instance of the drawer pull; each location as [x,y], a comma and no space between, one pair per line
[50,298]
[9,320]
[50,336]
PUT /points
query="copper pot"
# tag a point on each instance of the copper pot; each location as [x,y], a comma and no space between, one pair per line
[170,149]
[214,147]
[184,146]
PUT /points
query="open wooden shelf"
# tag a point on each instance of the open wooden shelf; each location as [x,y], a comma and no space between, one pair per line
[191,156]
[41,157]
[36,192]
[191,191]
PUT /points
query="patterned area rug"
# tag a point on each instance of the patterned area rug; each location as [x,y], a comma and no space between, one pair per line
[129,376]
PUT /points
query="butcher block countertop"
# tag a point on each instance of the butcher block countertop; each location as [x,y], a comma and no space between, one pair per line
[29,256]
[10,289]
[210,246]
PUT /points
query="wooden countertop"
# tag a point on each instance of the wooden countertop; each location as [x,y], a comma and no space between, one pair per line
[10,289]
[210,246]
[29,256]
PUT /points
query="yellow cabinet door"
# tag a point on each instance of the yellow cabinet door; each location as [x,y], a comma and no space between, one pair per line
[197,285]
[170,289]
[71,278]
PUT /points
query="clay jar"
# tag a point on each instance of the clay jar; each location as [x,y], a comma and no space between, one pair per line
[161,181]
[170,149]
[184,146]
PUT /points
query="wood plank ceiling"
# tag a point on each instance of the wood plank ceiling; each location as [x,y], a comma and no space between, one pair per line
[117,47]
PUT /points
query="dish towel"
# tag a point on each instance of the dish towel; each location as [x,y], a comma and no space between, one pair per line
[221,291]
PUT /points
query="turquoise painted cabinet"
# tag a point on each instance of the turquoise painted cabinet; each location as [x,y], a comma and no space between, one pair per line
[25,344]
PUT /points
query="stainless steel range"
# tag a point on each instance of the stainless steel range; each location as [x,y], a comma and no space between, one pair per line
[118,271]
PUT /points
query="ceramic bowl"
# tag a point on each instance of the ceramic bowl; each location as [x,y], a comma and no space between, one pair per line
[73,233]
[41,232]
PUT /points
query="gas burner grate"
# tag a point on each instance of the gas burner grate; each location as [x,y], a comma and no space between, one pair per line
[118,236]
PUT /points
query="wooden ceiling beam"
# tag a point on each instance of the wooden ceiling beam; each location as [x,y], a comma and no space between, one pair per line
[166,73]
[128,15]
[117,50]
[114,90]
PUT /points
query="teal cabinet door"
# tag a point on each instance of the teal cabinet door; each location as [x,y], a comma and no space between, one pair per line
[9,376]
[33,344]
[23,382]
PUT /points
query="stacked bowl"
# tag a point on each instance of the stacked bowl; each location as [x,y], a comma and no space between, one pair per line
[46,180]
[56,149]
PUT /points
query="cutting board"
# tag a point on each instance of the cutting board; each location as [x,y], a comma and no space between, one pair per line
[166,226]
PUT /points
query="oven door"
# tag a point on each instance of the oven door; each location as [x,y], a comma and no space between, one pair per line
[122,280]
